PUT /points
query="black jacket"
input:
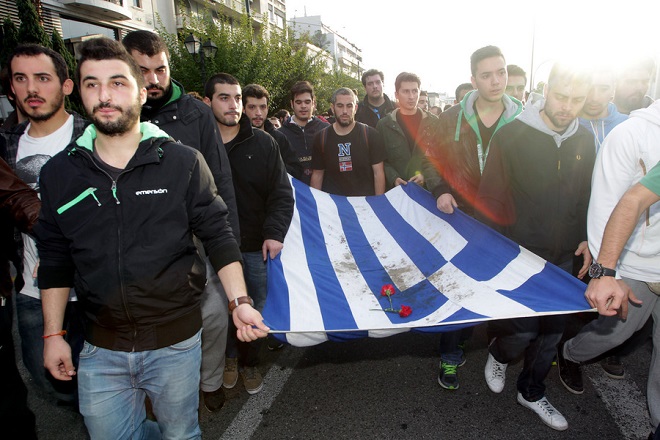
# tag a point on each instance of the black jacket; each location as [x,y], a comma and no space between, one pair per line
[263,192]
[302,140]
[127,245]
[293,165]
[537,193]
[191,122]
[366,115]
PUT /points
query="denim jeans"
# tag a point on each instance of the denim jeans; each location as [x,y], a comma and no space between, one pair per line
[256,280]
[31,329]
[112,386]
[537,337]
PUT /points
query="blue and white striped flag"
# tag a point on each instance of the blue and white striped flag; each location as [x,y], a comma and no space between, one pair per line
[339,252]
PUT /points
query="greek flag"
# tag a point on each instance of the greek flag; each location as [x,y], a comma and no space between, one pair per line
[451,270]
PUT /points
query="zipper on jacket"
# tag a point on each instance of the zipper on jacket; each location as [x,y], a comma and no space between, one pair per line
[88,192]
[119,258]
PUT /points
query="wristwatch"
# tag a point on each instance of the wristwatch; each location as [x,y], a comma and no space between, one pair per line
[596,270]
[238,301]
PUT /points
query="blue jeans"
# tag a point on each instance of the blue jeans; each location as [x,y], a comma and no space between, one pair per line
[112,386]
[31,329]
[537,337]
[256,280]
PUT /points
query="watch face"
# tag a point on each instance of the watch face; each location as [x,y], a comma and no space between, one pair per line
[595,270]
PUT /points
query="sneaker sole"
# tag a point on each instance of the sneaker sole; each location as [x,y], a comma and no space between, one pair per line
[255,390]
[522,402]
[229,386]
[614,376]
[447,387]
[571,390]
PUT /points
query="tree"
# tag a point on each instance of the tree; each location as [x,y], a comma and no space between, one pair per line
[31,30]
[9,40]
[275,61]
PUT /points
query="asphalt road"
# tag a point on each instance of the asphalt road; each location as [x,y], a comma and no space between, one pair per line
[387,389]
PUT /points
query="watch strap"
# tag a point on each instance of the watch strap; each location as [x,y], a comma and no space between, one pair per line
[238,301]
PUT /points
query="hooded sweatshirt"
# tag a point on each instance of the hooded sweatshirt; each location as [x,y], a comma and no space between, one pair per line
[628,153]
[601,127]
[535,187]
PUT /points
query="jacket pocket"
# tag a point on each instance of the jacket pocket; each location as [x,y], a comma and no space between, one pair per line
[82,196]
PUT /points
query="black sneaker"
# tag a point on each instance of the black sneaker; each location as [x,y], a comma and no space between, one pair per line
[448,379]
[613,367]
[570,373]
[214,400]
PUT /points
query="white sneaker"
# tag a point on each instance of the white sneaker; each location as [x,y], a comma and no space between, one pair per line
[495,374]
[548,413]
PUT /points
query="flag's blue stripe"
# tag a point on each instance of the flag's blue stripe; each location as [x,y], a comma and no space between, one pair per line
[276,310]
[334,308]
[424,296]
[567,291]
[483,244]
[425,256]
[346,336]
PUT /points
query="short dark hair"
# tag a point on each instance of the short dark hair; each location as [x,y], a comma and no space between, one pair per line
[565,73]
[483,53]
[255,91]
[423,93]
[461,87]
[218,78]
[372,72]
[407,77]
[343,91]
[33,50]
[104,48]
[301,87]
[146,42]
[282,113]
[514,70]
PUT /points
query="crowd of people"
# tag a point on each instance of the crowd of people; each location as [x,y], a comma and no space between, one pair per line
[158,204]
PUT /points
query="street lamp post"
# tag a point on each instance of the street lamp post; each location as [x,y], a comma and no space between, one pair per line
[194,47]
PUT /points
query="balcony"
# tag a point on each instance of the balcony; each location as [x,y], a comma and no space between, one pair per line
[112,9]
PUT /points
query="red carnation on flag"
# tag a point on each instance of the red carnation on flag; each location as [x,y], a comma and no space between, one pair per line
[388,290]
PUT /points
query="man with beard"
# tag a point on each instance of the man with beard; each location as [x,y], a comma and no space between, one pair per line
[188,121]
[120,207]
[265,209]
[535,190]
[376,104]
[348,156]
[255,106]
[40,82]
[632,84]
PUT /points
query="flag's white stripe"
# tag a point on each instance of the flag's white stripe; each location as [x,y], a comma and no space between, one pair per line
[357,293]
[306,339]
[518,271]
[401,269]
[436,231]
[304,309]
[478,297]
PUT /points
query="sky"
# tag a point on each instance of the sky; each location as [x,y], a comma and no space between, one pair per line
[435,38]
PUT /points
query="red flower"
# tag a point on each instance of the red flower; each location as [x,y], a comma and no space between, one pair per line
[387,290]
[405,311]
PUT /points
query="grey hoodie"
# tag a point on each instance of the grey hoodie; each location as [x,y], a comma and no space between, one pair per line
[532,117]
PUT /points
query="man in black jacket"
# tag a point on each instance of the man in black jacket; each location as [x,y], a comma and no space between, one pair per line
[535,190]
[188,121]
[255,106]
[120,208]
[265,209]
[376,104]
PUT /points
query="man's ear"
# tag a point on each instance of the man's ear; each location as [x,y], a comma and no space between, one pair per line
[67,87]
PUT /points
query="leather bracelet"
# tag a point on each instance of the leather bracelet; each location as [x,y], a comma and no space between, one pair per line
[60,333]
[238,301]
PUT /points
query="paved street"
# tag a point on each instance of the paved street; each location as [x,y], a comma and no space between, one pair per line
[387,389]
